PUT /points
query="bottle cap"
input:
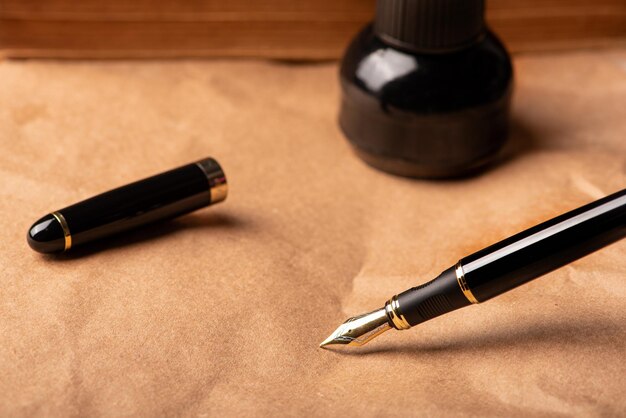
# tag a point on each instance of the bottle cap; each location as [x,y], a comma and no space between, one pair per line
[429,25]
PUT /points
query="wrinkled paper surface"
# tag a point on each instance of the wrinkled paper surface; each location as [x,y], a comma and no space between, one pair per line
[221,311]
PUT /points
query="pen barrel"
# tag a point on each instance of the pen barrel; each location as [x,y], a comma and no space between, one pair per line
[159,197]
[545,247]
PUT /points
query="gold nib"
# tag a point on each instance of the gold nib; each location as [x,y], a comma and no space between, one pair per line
[360,329]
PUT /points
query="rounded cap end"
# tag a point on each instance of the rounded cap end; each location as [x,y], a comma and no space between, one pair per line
[46,235]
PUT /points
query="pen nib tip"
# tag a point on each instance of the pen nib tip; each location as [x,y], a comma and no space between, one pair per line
[359,330]
[328,341]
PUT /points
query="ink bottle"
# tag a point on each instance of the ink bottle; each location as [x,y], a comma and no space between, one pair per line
[426,89]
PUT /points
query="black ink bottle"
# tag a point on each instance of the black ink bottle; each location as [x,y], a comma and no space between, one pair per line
[426,89]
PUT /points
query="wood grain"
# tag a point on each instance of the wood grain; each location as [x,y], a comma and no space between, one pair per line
[277,29]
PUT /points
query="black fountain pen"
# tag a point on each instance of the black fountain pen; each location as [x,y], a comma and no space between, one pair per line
[495,269]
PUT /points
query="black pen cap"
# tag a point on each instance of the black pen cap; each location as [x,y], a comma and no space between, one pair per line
[163,196]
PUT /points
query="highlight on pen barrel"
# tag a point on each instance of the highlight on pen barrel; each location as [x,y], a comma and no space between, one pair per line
[543,248]
[163,196]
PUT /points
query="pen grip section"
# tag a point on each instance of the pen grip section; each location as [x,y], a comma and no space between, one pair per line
[432,299]
[545,247]
[162,196]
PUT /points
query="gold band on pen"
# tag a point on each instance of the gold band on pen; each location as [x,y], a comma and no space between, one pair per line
[460,278]
[399,321]
[66,229]
[218,186]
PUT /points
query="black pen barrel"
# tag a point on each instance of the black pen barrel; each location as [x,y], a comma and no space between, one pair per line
[513,261]
[545,247]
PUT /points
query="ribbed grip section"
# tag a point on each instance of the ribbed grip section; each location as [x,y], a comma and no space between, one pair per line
[432,299]
[429,24]
[434,306]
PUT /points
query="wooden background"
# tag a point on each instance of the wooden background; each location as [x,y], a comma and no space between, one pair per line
[287,29]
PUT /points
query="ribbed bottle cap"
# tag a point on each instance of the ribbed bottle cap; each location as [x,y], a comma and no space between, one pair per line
[429,24]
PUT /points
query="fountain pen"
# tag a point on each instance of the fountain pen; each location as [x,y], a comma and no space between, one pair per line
[495,270]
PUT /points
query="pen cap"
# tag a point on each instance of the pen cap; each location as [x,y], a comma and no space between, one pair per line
[162,196]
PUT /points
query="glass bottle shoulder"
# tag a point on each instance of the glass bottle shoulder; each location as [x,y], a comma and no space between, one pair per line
[427,82]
